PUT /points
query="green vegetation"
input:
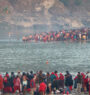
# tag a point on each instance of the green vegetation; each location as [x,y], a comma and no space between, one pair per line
[65,2]
[78,2]
[5,9]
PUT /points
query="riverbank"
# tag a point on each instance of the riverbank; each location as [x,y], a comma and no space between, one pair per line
[52,94]
[48,83]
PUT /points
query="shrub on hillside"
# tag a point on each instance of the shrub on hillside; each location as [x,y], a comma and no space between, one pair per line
[78,2]
[65,2]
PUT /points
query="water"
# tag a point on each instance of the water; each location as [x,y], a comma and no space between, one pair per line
[62,56]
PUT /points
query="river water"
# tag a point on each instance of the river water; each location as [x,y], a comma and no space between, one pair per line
[61,56]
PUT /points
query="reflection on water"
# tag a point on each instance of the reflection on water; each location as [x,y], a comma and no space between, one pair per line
[62,56]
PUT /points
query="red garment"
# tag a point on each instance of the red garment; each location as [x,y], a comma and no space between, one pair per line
[16,88]
[32,84]
[63,31]
[42,87]
[16,84]
[89,89]
[7,75]
[53,35]
[56,77]
[72,37]
[67,93]
[1,82]
[83,75]
[7,89]
[75,77]
[52,73]
[5,79]
[86,80]
[28,90]
[70,87]
[61,76]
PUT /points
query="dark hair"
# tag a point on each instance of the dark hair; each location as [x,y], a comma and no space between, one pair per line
[17,76]
[12,73]
[24,73]
[40,71]
[67,72]
[6,72]
[31,72]
[47,73]
[55,72]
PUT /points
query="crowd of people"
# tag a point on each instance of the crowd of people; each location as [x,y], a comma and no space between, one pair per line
[40,83]
[78,34]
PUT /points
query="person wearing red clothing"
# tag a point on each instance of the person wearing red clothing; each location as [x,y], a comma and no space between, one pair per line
[83,82]
[61,80]
[17,84]
[75,82]
[1,83]
[57,78]
[89,85]
[32,85]
[61,76]
[6,83]
[42,88]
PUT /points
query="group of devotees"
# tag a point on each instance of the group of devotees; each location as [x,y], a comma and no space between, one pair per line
[40,83]
[62,35]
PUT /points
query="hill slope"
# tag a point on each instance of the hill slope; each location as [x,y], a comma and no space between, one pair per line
[25,16]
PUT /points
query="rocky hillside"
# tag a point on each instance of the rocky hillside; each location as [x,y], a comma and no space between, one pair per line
[20,17]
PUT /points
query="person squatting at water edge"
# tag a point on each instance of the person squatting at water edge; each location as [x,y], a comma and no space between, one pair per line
[44,84]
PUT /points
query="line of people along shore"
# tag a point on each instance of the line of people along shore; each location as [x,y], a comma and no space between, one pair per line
[75,35]
[40,83]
